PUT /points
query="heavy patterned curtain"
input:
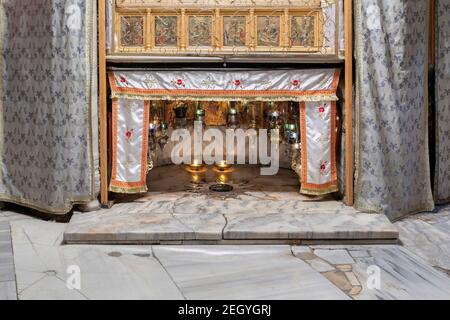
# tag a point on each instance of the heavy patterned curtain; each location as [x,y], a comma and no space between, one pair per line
[393,174]
[442,174]
[48,107]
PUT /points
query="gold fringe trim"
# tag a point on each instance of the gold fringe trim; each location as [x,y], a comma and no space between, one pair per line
[45,208]
[305,98]
[319,192]
[131,190]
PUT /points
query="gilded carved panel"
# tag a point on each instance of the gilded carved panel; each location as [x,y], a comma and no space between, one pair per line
[166,31]
[268,31]
[200,31]
[234,31]
[302,31]
[132,31]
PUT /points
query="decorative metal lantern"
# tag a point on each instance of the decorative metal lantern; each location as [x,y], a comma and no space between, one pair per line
[180,116]
[151,146]
[163,135]
[273,117]
[296,157]
[200,115]
[233,117]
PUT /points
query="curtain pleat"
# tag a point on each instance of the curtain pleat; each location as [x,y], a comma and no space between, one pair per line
[48,103]
[393,175]
[442,89]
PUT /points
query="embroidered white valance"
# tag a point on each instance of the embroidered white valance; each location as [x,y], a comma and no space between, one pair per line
[230,85]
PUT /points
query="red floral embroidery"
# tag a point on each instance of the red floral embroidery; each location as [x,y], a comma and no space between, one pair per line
[123,79]
[321,109]
[296,83]
[129,134]
[237,83]
[323,167]
[179,82]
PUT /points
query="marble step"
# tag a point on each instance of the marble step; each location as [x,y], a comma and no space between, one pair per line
[143,227]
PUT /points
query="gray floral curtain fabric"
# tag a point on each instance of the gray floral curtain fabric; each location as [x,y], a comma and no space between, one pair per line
[442,173]
[48,111]
[393,174]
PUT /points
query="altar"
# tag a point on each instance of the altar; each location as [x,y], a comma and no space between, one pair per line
[276,118]
[224,126]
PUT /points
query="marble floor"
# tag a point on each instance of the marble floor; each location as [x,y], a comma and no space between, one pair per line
[180,208]
[42,269]
[7,273]
[428,235]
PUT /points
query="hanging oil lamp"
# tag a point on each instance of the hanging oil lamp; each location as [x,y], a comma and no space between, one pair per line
[180,116]
[151,156]
[293,112]
[273,116]
[200,115]
[290,133]
[163,135]
[252,115]
[296,157]
[232,116]
[273,120]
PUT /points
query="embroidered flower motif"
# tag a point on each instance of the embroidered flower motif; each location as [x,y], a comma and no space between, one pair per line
[296,83]
[237,83]
[129,134]
[179,82]
[122,79]
[323,167]
[321,111]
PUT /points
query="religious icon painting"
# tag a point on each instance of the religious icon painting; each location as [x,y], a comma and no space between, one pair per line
[234,31]
[132,31]
[200,31]
[303,31]
[268,31]
[166,31]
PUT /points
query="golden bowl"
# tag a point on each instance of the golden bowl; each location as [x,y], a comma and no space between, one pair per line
[222,167]
[196,167]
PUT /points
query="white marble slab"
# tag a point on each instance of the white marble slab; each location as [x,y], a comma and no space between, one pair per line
[107,272]
[403,276]
[142,227]
[320,265]
[334,256]
[243,272]
[8,290]
[125,227]
[428,235]
[319,225]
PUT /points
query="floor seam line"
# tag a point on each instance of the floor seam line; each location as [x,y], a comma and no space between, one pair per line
[225,226]
[168,273]
[13,262]
[320,273]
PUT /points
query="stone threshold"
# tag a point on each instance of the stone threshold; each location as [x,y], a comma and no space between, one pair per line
[303,228]
[236,242]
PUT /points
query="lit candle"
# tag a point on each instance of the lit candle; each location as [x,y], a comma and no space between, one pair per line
[222,163]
